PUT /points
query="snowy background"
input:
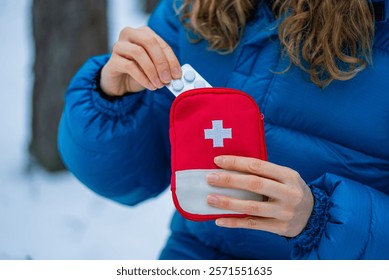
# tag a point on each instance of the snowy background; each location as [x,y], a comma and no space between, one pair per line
[46,216]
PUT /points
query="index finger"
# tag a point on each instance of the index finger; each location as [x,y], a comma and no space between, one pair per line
[149,41]
[174,64]
[255,166]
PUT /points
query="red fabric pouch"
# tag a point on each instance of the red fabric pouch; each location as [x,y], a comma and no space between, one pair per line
[205,123]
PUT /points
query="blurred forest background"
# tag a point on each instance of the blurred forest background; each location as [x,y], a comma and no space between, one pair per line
[46,213]
[65,34]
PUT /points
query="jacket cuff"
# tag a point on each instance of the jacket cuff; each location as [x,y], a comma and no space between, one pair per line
[114,105]
[97,87]
[310,237]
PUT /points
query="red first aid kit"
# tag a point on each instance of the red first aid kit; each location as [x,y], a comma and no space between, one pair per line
[205,123]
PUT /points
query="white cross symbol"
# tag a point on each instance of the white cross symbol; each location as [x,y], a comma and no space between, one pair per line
[217,133]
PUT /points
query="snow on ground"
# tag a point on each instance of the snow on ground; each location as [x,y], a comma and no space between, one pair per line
[46,216]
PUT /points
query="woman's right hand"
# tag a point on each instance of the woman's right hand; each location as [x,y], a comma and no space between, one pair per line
[140,59]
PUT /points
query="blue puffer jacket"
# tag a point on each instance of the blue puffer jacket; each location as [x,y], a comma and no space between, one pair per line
[336,138]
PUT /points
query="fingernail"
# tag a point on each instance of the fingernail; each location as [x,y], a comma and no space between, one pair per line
[158,83]
[150,86]
[166,76]
[176,72]
[220,223]
[219,160]
[212,200]
[212,177]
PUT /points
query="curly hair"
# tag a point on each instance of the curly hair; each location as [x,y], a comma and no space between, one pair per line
[329,39]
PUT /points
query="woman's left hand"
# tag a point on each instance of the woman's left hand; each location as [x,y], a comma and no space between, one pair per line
[289,204]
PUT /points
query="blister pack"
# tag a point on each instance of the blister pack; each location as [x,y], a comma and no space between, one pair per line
[190,79]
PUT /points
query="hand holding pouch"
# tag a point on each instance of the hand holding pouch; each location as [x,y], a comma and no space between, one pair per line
[205,123]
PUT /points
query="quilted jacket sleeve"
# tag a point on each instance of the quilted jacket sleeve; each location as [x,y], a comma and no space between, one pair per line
[350,221]
[119,148]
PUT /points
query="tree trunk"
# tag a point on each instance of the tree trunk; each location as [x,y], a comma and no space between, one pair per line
[66,33]
[149,5]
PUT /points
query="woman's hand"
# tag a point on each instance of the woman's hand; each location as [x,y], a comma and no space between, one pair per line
[140,59]
[289,203]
